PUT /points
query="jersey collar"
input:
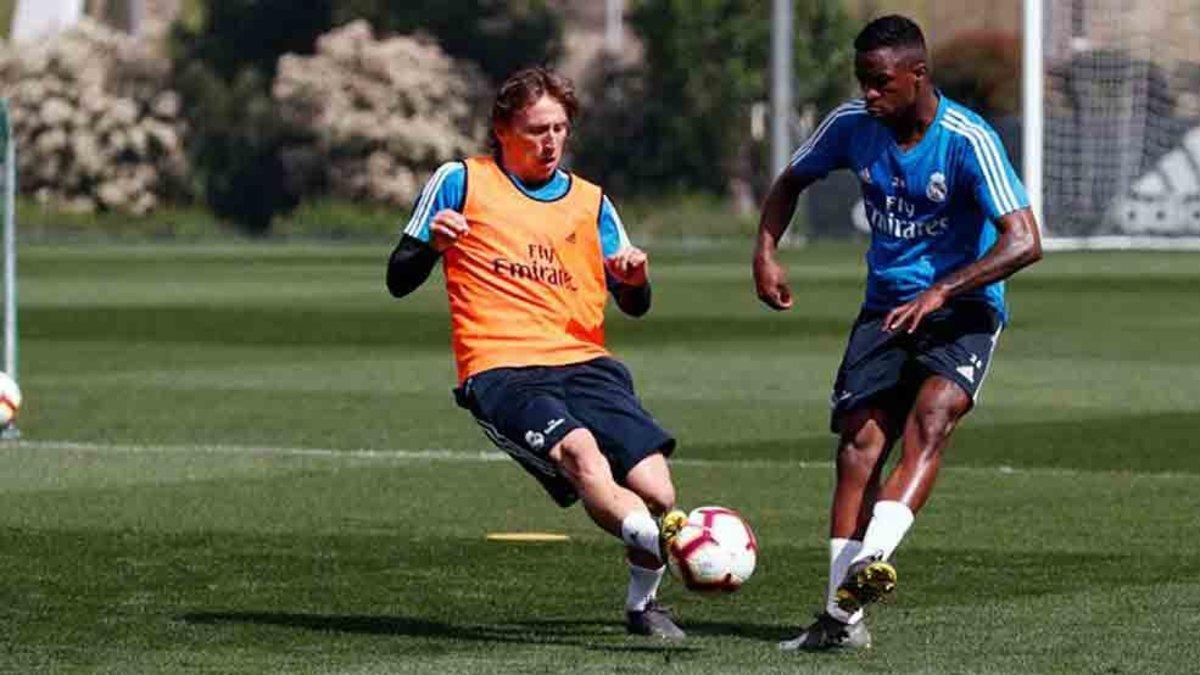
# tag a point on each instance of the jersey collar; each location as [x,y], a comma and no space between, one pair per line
[552,190]
[929,131]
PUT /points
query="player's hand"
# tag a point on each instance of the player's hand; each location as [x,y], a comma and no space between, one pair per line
[770,280]
[448,227]
[908,316]
[630,266]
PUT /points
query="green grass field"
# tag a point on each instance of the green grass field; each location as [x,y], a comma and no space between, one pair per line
[246,459]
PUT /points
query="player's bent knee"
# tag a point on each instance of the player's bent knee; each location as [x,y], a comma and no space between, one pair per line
[650,479]
[579,457]
[933,425]
[857,464]
[659,499]
[863,445]
[860,452]
[577,443]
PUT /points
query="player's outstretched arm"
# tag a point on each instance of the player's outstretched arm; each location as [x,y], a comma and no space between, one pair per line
[409,266]
[413,259]
[770,277]
[629,270]
[1018,245]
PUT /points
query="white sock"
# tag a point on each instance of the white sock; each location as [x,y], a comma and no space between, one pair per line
[841,552]
[889,522]
[641,532]
[643,586]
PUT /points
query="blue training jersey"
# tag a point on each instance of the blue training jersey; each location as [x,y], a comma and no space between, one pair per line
[930,208]
[447,189]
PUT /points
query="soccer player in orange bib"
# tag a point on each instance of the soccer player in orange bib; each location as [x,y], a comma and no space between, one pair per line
[530,253]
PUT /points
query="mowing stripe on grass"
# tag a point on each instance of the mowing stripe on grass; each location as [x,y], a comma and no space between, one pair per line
[495,456]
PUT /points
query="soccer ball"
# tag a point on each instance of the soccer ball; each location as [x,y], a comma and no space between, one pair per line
[714,552]
[10,399]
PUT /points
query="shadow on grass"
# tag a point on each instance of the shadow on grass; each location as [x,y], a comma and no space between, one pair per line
[585,634]
[764,632]
[592,635]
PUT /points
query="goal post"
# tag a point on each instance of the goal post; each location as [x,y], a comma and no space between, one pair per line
[8,152]
[1111,128]
[1033,104]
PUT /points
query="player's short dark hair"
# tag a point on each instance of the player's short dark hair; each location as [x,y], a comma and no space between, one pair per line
[524,88]
[893,30]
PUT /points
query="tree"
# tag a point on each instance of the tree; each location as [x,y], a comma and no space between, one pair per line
[236,146]
[239,34]
[681,120]
[501,36]
[224,69]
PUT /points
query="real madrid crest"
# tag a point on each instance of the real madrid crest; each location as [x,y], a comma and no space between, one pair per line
[936,190]
[535,440]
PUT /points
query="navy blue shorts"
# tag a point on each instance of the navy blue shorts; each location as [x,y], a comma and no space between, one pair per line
[527,411]
[885,369]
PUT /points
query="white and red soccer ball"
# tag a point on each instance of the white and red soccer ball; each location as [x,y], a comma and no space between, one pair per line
[10,399]
[714,552]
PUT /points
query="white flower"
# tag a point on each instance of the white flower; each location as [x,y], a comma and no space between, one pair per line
[95,120]
[380,112]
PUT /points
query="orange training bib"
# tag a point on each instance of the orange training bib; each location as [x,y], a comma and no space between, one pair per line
[526,285]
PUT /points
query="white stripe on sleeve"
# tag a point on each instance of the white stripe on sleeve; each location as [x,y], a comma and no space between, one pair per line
[984,164]
[996,154]
[989,157]
[855,107]
[421,213]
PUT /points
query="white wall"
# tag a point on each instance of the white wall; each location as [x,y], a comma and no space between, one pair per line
[34,19]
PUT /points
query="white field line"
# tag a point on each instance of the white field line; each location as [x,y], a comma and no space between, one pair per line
[434,455]
[361,454]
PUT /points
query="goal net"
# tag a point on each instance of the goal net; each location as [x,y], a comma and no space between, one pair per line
[1121,148]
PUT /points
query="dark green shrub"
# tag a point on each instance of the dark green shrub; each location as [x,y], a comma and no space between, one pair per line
[981,70]
[224,68]
[681,120]
[501,36]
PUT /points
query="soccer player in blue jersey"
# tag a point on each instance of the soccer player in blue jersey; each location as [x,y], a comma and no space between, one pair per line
[950,221]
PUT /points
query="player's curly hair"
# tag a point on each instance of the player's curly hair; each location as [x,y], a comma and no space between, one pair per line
[524,88]
[892,30]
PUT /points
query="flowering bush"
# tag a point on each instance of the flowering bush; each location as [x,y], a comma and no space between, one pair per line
[380,114]
[96,123]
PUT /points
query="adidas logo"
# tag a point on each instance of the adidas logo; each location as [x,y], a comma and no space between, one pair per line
[1166,199]
[968,370]
[571,238]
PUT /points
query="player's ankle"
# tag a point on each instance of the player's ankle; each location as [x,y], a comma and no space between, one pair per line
[640,533]
[890,521]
